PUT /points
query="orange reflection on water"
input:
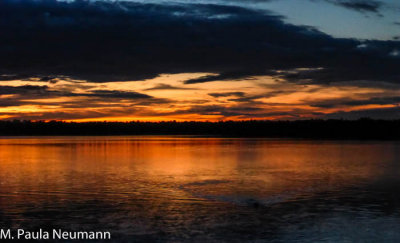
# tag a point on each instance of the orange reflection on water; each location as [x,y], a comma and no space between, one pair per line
[179,185]
[112,164]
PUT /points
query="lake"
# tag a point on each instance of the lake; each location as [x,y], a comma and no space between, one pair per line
[199,189]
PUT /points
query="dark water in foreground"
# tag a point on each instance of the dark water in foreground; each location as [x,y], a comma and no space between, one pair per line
[203,189]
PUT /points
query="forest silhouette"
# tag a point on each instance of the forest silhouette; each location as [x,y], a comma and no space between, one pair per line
[313,129]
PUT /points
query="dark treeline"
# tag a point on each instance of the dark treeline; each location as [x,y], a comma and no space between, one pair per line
[317,129]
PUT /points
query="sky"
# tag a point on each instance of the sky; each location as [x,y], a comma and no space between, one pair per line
[199,60]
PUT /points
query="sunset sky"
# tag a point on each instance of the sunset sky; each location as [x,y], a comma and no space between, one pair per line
[210,60]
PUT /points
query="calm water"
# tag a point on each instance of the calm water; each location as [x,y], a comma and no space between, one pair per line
[203,189]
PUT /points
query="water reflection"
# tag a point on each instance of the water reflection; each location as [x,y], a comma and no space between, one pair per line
[174,188]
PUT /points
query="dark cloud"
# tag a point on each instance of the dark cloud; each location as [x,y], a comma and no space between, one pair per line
[359,5]
[113,94]
[350,102]
[7,77]
[371,61]
[248,99]
[388,86]
[235,75]
[109,41]
[227,94]
[32,92]
[52,80]
[25,89]
[44,90]
[167,87]
[379,113]
[241,97]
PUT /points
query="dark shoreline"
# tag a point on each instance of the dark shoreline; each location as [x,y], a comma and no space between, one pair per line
[363,129]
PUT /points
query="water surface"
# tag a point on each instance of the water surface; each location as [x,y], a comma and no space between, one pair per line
[180,189]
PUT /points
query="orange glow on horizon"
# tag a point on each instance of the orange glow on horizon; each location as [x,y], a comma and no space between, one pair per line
[168,98]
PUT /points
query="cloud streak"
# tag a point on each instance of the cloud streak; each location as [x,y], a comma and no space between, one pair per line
[359,5]
[168,87]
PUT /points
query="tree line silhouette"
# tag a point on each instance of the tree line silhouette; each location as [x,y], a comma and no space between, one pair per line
[313,129]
